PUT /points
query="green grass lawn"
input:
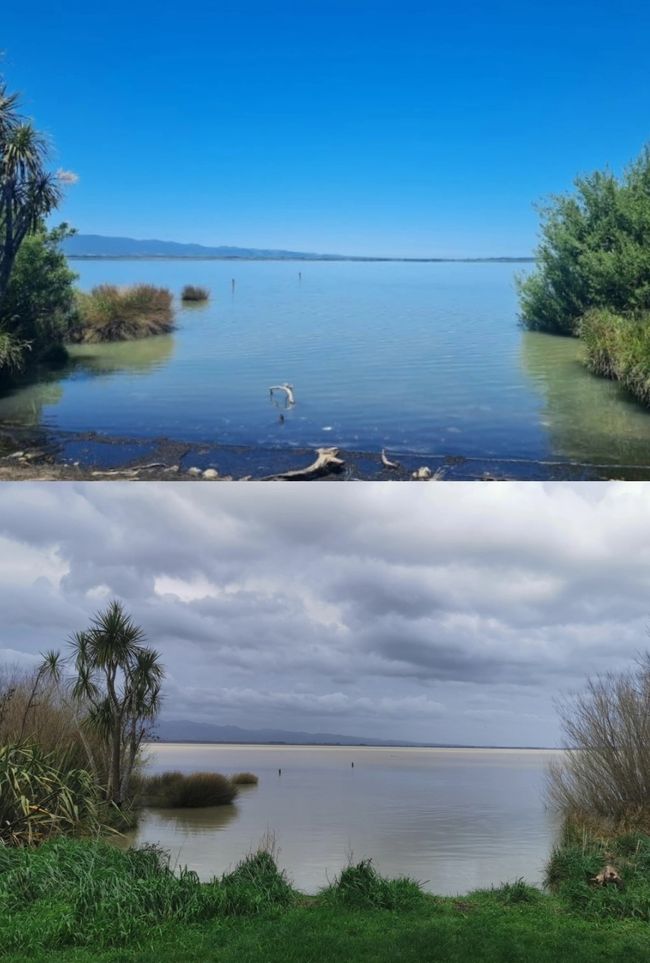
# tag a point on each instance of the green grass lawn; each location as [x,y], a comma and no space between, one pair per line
[86,901]
[465,931]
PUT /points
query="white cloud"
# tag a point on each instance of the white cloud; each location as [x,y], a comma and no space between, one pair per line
[408,611]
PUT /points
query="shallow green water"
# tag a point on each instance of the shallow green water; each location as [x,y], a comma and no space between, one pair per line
[454,819]
[412,357]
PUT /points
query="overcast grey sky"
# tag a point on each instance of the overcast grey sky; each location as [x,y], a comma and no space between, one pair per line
[433,612]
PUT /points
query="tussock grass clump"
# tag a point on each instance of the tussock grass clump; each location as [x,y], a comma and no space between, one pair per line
[255,886]
[618,347]
[516,893]
[193,292]
[73,892]
[111,313]
[244,779]
[362,887]
[39,801]
[175,790]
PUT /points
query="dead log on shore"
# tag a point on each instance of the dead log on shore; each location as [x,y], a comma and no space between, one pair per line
[133,472]
[327,463]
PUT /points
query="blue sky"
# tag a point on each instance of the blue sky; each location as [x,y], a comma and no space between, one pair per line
[396,128]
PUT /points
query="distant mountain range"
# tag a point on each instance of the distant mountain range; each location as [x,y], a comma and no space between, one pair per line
[184,730]
[97,246]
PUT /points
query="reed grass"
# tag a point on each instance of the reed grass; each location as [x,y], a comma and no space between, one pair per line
[193,292]
[244,779]
[111,313]
[618,347]
[175,790]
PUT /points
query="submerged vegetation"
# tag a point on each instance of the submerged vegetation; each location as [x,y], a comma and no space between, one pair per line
[193,292]
[174,790]
[593,273]
[112,313]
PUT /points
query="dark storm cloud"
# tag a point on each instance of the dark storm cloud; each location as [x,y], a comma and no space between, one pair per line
[435,612]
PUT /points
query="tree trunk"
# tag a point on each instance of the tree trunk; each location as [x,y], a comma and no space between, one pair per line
[115,788]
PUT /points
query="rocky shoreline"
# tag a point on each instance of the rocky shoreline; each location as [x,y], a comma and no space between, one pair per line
[36,454]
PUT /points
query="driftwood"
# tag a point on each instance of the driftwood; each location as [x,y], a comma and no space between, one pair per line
[132,472]
[608,876]
[326,463]
[386,462]
[288,390]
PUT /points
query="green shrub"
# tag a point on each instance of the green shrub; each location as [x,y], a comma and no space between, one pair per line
[244,779]
[360,886]
[175,790]
[111,313]
[594,251]
[192,292]
[39,303]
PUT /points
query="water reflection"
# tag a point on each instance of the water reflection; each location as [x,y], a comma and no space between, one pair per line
[588,419]
[142,356]
[454,819]
[191,821]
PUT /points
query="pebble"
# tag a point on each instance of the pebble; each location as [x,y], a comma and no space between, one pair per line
[210,473]
[422,474]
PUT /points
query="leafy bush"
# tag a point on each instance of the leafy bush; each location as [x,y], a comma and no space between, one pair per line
[175,790]
[595,251]
[362,887]
[192,292]
[39,801]
[39,304]
[111,313]
[244,779]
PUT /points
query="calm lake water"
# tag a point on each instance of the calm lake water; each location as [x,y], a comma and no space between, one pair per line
[455,819]
[422,358]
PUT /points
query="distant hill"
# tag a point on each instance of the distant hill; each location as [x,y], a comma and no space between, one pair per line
[184,730]
[96,245]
